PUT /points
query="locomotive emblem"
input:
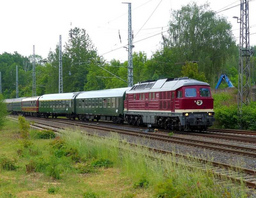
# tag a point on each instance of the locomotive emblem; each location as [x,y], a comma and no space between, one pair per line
[199,102]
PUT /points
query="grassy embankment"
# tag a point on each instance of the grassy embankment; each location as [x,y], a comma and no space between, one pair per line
[78,165]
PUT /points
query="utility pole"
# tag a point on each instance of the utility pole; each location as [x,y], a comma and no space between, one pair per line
[60,68]
[0,82]
[34,74]
[130,46]
[17,82]
[244,78]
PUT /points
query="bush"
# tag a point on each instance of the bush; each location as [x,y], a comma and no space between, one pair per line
[90,195]
[102,163]
[3,112]
[52,190]
[45,134]
[167,190]
[7,164]
[142,183]
[85,168]
[24,127]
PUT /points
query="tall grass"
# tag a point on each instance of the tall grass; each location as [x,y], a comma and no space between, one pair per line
[166,176]
[75,164]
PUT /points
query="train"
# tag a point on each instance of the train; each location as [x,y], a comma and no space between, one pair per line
[175,104]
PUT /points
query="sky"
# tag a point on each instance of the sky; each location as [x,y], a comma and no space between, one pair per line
[40,22]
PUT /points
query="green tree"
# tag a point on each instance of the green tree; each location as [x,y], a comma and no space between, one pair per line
[3,111]
[198,34]
[191,70]
[79,55]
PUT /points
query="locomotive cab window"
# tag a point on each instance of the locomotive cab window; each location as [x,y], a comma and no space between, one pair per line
[204,92]
[179,94]
[190,92]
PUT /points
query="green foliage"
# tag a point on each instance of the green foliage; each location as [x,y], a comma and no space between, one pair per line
[90,194]
[209,42]
[45,134]
[24,127]
[53,190]
[191,70]
[142,183]
[226,112]
[7,164]
[85,168]
[167,189]
[3,112]
[102,163]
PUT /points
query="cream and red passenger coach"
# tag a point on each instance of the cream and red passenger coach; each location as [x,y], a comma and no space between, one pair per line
[180,103]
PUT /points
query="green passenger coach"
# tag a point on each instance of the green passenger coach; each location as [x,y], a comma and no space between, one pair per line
[60,104]
[101,105]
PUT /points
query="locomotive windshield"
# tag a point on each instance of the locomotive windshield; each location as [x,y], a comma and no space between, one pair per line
[205,92]
[190,92]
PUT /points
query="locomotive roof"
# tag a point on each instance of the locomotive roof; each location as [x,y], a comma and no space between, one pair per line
[58,96]
[119,92]
[165,85]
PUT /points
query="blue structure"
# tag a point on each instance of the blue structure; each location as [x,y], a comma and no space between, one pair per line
[224,77]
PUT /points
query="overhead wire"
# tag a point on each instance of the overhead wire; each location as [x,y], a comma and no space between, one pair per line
[149,17]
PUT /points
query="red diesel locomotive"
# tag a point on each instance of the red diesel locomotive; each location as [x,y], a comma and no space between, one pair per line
[180,104]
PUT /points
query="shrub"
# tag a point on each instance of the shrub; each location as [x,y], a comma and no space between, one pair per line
[52,190]
[90,195]
[45,134]
[142,183]
[58,143]
[7,164]
[85,168]
[167,190]
[54,171]
[24,127]
[3,112]
[102,163]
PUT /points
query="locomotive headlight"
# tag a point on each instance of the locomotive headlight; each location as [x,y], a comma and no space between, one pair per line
[210,114]
[186,114]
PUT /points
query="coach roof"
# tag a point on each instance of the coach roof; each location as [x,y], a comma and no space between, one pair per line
[58,96]
[119,92]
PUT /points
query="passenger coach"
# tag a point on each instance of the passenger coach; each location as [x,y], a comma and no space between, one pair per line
[105,104]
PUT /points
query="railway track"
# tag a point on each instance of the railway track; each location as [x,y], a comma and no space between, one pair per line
[205,144]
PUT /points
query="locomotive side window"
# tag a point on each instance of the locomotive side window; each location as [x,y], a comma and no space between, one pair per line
[204,92]
[190,92]
[179,94]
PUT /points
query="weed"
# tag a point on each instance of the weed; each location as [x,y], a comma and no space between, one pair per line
[143,183]
[45,134]
[102,163]
[27,143]
[31,167]
[167,190]
[24,127]
[73,153]
[7,164]
[58,143]
[171,134]
[90,195]
[85,168]
[52,190]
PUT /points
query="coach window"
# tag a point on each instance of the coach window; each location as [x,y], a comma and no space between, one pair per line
[179,94]
[190,92]
[204,92]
